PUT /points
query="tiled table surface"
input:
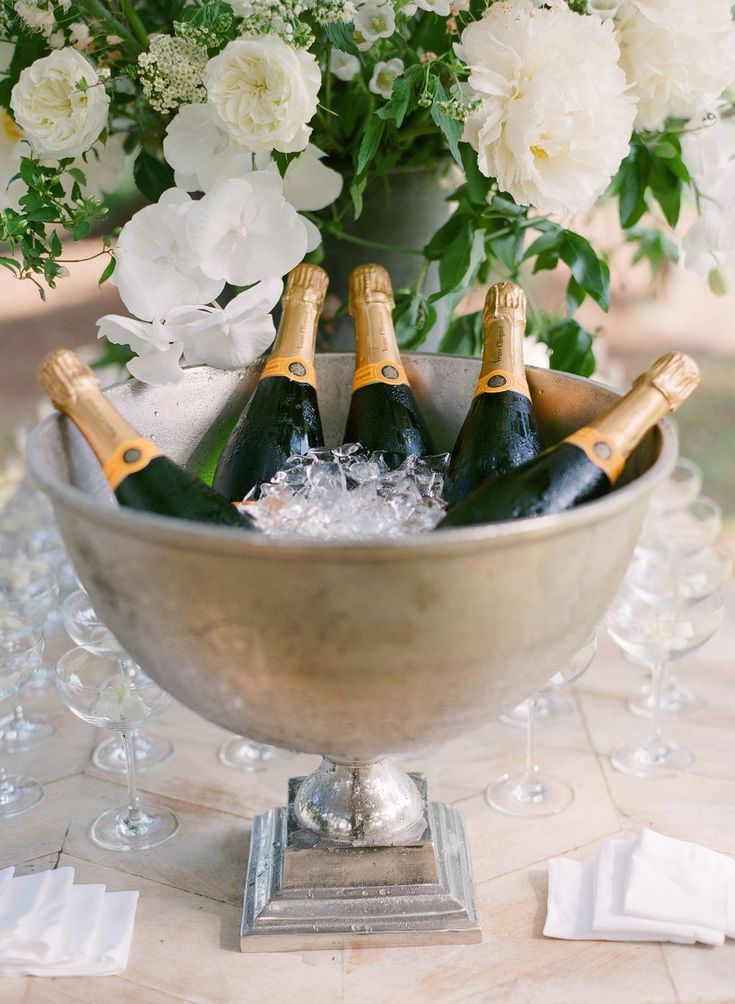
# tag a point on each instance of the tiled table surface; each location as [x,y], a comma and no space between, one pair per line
[185,946]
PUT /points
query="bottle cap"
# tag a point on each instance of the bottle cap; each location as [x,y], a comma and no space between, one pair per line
[504,297]
[370,283]
[675,375]
[307,282]
[64,376]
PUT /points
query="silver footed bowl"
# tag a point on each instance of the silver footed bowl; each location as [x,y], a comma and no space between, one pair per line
[352,650]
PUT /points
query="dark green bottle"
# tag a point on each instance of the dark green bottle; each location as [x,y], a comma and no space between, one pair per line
[282,418]
[136,469]
[587,463]
[383,412]
[499,432]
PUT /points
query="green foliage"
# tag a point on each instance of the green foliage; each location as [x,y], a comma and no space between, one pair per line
[653,170]
[152,176]
[570,345]
[654,246]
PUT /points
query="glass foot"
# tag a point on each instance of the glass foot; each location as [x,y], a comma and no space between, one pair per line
[110,754]
[246,754]
[18,794]
[531,796]
[150,826]
[17,735]
[651,761]
[676,702]
[546,706]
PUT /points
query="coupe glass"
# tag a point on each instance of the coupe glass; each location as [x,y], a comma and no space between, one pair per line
[654,636]
[549,705]
[680,489]
[245,754]
[96,690]
[21,652]
[85,628]
[29,588]
[681,532]
[532,792]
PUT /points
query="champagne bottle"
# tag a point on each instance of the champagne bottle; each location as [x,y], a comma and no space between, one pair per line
[499,432]
[282,418]
[383,411]
[587,463]
[136,469]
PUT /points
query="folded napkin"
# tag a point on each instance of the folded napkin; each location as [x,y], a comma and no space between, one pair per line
[654,888]
[50,927]
[673,880]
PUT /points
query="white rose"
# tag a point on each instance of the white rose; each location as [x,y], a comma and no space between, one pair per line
[58,118]
[678,56]
[265,92]
[555,117]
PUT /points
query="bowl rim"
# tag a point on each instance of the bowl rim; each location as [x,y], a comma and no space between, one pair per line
[202,536]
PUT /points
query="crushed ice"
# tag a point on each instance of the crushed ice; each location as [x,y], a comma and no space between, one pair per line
[350,494]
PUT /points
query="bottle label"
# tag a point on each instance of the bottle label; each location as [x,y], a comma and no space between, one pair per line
[497,381]
[600,449]
[292,367]
[129,457]
[386,371]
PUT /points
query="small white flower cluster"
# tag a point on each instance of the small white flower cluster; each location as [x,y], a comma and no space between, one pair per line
[172,72]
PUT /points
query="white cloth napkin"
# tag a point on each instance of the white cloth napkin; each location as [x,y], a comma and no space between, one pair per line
[569,910]
[608,902]
[50,927]
[673,880]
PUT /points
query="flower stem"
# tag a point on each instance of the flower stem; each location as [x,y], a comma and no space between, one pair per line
[97,9]
[135,22]
[342,235]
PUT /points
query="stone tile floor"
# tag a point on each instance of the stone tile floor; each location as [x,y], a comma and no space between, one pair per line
[185,946]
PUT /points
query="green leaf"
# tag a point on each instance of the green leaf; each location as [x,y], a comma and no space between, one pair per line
[357,190]
[459,264]
[152,176]
[654,246]
[591,273]
[400,102]
[370,142]
[477,185]
[109,269]
[451,128]
[341,36]
[464,335]
[571,347]
[46,214]
[414,318]
[445,235]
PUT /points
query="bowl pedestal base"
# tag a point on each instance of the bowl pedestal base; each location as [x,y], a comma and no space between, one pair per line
[305,891]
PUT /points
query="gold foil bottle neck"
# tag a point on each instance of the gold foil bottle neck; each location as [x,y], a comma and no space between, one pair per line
[505,298]
[64,377]
[675,375]
[370,284]
[307,284]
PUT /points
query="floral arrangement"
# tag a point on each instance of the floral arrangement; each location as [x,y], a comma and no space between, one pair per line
[256,129]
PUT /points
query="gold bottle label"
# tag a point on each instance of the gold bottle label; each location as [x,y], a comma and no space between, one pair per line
[385,371]
[600,449]
[294,368]
[129,457]
[498,380]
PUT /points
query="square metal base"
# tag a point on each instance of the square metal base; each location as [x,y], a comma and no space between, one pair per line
[305,893]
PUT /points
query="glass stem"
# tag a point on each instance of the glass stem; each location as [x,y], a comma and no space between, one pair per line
[531,765]
[134,813]
[6,788]
[657,683]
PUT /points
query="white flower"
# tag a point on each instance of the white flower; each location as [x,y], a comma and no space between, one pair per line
[308,183]
[242,8]
[441,7]
[80,35]
[383,76]
[172,72]
[555,120]
[157,266]
[34,17]
[102,167]
[709,246]
[244,230]
[708,151]
[373,21]
[202,152]
[60,105]
[343,64]
[158,353]
[265,92]
[535,353]
[678,56]
[11,151]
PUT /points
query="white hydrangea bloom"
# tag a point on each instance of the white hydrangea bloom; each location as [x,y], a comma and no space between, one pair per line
[678,56]
[158,351]
[343,65]
[309,184]
[265,92]
[373,21]
[202,152]
[60,104]
[244,230]
[383,76]
[157,266]
[554,119]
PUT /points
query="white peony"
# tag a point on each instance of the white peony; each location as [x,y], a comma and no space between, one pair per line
[679,56]
[11,151]
[157,266]
[60,104]
[265,92]
[244,230]
[555,120]
[383,76]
